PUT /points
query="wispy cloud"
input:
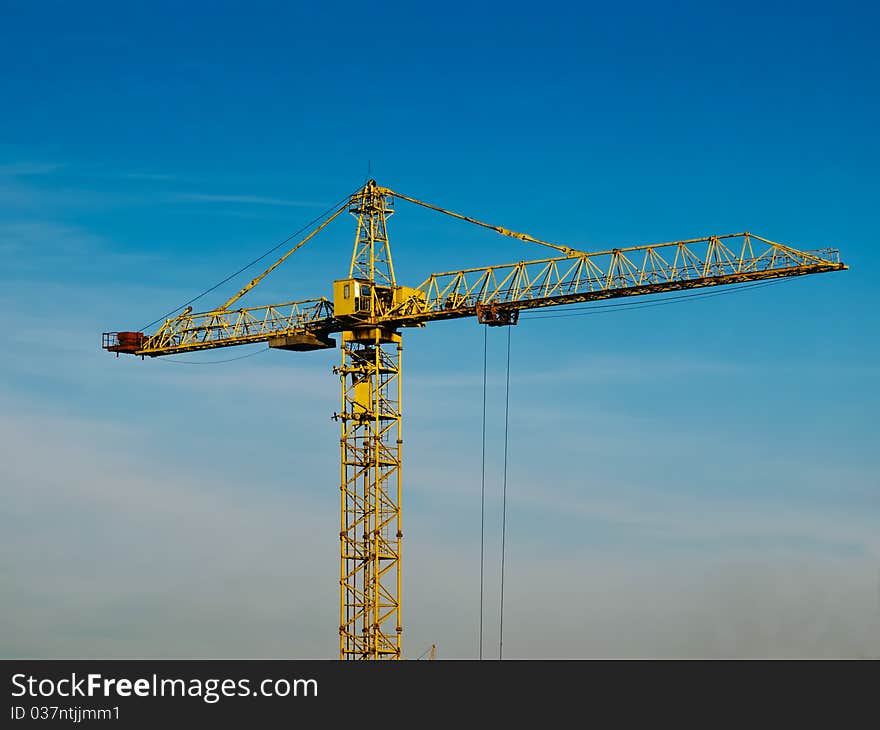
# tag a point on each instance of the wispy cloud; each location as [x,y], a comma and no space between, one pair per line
[87,185]
[697,520]
[35,168]
[36,244]
[22,169]
[162,544]
[152,176]
[246,200]
[37,238]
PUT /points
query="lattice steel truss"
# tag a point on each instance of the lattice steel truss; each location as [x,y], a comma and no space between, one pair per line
[370,534]
[371,258]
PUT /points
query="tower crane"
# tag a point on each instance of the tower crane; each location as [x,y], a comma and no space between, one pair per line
[368,310]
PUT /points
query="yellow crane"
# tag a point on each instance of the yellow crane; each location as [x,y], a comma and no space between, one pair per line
[369,309]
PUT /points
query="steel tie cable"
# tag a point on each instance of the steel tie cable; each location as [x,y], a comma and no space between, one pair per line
[483,487]
[252,263]
[504,497]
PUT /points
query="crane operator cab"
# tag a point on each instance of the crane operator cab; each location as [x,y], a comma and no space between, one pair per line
[351,296]
[357,297]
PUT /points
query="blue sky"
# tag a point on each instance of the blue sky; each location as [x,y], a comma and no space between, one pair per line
[696,479]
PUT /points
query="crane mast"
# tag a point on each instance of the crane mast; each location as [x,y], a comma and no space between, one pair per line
[370,481]
[369,308]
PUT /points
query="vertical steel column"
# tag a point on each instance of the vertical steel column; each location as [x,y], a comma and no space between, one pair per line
[370,534]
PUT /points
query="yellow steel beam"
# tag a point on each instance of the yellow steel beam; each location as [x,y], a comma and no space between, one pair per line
[582,276]
[190,332]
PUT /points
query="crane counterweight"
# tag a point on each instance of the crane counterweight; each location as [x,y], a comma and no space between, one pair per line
[302,342]
[126,342]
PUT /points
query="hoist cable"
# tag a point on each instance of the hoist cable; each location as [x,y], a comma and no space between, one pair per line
[483,487]
[504,497]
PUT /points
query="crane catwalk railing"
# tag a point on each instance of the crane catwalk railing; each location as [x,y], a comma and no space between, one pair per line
[582,276]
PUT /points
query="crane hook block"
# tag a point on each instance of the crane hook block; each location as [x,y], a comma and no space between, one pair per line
[495,316]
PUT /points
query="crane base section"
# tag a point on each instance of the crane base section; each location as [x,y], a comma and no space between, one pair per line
[302,342]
